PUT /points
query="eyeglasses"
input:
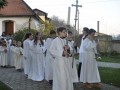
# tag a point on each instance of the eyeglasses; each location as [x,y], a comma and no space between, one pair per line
[63,31]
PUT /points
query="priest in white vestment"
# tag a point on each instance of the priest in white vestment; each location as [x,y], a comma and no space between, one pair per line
[89,70]
[62,76]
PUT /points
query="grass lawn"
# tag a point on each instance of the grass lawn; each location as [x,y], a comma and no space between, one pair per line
[4,87]
[112,59]
[110,76]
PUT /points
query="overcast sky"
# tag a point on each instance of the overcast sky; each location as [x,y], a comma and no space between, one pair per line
[105,11]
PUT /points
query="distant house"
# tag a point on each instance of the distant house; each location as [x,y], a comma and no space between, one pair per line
[41,14]
[16,16]
[105,42]
[116,45]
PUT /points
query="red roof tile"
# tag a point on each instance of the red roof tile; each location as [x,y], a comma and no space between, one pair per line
[16,8]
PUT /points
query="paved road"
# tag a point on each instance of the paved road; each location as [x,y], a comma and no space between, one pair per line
[17,81]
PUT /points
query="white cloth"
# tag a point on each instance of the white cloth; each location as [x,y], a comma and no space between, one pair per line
[89,69]
[81,50]
[62,78]
[4,60]
[37,65]
[27,56]
[19,55]
[74,68]
[12,56]
[49,61]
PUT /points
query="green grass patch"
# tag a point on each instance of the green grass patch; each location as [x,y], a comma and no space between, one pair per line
[4,87]
[112,59]
[107,58]
[110,76]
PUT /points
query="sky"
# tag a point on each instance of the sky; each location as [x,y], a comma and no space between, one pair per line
[107,12]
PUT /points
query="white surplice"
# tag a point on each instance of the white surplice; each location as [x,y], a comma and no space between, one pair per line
[49,61]
[62,78]
[12,57]
[19,55]
[81,50]
[74,68]
[4,60]
[89,69]
[27,56]
[37,65]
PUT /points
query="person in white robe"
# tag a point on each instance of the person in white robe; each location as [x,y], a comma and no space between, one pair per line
[0,52]
[72,45]
[26,53]
[62,78]
[3,50]
[19,55]
[49,58]
[37,65]
[81,50]
[12,56]
[89,70]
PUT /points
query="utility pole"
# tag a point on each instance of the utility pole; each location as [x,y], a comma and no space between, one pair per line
[78,23]
[29,24]
[98,27]
[76,12]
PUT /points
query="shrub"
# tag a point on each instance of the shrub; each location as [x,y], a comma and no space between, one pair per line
[19,35]
[114,53]
[104,53]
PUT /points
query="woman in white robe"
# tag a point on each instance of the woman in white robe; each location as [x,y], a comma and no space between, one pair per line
[26,53]
[37,65]
[89,70]
[49,58]
[19,55]
[62,78]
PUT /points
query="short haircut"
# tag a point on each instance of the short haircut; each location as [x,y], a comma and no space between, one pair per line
[52,32]
[86,29]
[60,29]
[91,31]
[70,32]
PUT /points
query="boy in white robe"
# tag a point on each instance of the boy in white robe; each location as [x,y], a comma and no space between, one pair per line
[19,55]
[49,58]
[81,50]
[72,45]
[62,78]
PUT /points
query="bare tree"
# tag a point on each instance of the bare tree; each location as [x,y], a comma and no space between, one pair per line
[57,22]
